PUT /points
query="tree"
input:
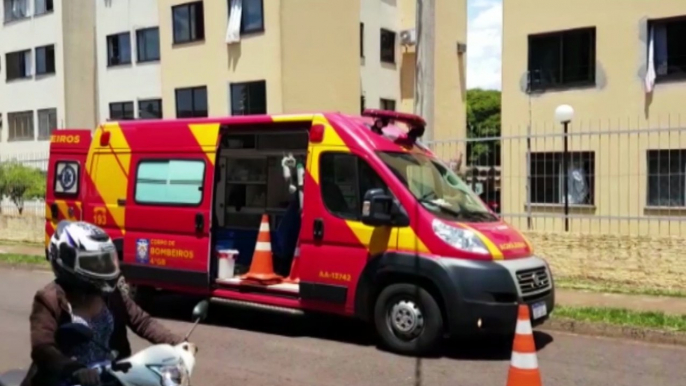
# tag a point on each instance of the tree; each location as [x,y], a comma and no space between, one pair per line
[20,183]
[483,120]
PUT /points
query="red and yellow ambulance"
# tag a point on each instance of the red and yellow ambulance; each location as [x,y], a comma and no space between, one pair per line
[376,227]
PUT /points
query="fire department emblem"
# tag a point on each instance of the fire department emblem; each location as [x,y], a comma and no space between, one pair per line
[142,251]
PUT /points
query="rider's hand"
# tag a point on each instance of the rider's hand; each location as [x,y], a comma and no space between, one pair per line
[190,347]
[87,377]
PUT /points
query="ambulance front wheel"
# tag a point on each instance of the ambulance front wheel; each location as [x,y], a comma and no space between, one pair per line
[408,319]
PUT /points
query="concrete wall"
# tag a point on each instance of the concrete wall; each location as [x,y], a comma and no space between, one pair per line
[22,228]
[135,81]
[638,261]
[618,101]
[37,92]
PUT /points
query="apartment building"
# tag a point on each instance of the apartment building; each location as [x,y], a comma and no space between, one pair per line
[622,66]
[47,77]
[128,59]
[235,57]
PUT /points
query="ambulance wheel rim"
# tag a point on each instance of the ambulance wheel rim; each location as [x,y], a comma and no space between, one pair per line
[405,319]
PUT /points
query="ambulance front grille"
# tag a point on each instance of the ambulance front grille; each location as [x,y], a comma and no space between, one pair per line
[533,281]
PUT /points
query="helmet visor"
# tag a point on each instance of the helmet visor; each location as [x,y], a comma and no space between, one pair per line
[100,264]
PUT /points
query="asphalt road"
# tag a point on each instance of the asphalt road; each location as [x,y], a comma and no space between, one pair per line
[252,348]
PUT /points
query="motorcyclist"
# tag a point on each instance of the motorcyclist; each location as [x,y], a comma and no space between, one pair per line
[86,290]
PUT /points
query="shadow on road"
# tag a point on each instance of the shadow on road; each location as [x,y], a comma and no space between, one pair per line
[326,327]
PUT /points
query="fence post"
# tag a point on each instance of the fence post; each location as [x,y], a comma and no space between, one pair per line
[528,177]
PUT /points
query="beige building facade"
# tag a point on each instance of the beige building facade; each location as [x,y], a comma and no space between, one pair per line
[290,56]
[622,66]
[47,75]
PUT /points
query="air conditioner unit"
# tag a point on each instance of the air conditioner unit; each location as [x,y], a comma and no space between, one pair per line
[408,37]
[461,48]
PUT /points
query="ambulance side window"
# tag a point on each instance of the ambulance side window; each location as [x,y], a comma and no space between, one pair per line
[170,182]
[345,178]
[66,178]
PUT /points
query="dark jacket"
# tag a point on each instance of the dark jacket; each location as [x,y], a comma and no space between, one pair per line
[50,310]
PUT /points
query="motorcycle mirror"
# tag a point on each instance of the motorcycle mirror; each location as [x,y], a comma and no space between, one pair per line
[70,334]
[199,313]
[200,310]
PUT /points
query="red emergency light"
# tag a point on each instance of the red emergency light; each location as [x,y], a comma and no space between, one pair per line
[416,124]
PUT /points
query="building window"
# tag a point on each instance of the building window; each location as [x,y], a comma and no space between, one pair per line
[345,178]
[150,108]
[252,16]
[547,178]
[119,49]
[121,111]
[387,46]
[387,104]
[16,10]
[361,40]
[43,6]
[249,98]
[189,23]
[666,178]
[191,102]
[148,44]
[170,182]
[562,59]
[47,123]
[20,126]
[45,60]
[18,65]
[669,47]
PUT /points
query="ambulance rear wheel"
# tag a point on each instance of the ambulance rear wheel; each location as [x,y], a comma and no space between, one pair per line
[408,319]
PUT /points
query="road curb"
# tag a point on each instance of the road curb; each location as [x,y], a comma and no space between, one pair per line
[614,331]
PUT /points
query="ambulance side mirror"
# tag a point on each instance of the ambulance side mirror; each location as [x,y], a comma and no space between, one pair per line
[379,209]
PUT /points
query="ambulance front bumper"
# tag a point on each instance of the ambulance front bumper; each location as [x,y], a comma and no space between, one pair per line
[487,294]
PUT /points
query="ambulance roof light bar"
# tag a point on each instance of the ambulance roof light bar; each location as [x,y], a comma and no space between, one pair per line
[382,118]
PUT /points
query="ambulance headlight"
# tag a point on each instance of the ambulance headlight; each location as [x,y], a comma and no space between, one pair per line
[462,239]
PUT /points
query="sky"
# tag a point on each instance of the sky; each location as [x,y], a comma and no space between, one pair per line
[484,43]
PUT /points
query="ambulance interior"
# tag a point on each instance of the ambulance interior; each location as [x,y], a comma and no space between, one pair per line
[257,168]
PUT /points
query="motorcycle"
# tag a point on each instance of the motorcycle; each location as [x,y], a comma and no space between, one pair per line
[158,365]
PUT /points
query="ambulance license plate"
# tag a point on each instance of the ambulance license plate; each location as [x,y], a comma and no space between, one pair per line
[539,310]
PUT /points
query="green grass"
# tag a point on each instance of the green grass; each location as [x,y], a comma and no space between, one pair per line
[623,317]
[15,259]
[603,287]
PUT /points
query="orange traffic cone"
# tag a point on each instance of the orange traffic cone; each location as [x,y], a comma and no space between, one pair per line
[524,364]
[293,277]
[262,266]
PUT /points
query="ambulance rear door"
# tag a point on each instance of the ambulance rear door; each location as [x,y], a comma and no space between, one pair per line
[168,208]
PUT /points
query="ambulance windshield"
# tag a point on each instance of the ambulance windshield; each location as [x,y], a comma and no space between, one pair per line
[436,187]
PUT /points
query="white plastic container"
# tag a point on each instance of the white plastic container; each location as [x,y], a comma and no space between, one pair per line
[227,263]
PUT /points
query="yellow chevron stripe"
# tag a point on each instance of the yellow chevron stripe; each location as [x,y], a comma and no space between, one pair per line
[109,167]
[380,239]
[293,117]
[206,134]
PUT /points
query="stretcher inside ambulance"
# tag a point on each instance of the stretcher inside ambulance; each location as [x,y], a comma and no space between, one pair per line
[296,213]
